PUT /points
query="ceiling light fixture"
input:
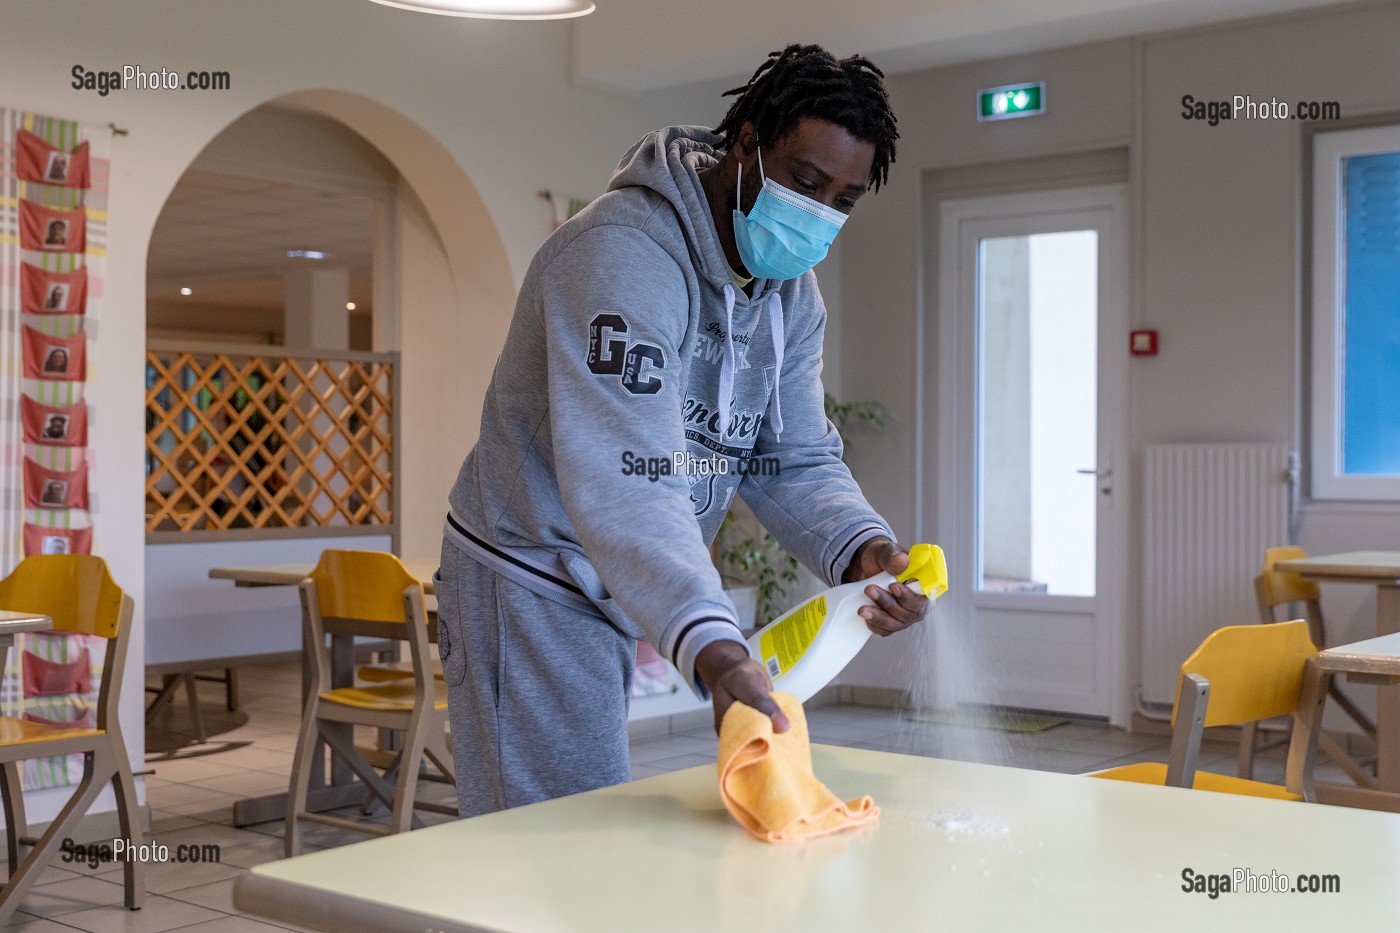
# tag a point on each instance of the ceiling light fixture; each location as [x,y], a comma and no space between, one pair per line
[349,306]
[305,254]
[497,9]
[186,291]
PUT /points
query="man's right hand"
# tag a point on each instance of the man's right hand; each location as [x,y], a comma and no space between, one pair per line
[731,675]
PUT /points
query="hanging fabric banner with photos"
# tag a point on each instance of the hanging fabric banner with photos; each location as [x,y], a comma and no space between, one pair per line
[53,242]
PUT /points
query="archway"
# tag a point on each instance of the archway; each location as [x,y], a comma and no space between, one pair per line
[452,308]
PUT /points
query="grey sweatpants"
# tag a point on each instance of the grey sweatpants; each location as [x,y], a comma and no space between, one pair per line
[537,691]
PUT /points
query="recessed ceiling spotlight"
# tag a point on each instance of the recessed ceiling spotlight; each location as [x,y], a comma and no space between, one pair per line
[187,291]
[498,9]
[349,306]
[305,254]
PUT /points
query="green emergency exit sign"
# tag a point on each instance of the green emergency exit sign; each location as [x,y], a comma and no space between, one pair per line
[1010,101]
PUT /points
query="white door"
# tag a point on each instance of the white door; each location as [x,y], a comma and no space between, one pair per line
[1032,491]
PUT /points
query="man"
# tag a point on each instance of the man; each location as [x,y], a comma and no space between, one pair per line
[674,317]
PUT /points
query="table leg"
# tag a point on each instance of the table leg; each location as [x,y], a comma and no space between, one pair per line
[339,788]
[342,675]
[1388,700]
[1302,753]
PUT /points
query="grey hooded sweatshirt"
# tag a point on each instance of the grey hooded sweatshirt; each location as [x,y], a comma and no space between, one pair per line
[638,390]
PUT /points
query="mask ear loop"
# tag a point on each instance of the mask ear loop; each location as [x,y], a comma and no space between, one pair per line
[739,183]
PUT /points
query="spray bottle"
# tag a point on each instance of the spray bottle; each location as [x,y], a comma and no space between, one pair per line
[806,647]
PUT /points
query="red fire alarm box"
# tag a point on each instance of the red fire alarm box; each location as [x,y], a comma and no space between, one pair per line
[1144,343]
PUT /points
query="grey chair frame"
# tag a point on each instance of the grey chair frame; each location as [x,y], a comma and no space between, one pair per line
[105,761]
[423,728]
[1317,630]
[1192,700]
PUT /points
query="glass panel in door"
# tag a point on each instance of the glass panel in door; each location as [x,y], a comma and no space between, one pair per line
[1038,476]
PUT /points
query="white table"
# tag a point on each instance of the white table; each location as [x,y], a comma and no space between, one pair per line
[1380,569]
[959,847]
[1373,661]
[340,788]
[13,623]
[292,574]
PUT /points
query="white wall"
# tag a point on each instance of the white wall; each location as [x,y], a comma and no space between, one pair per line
[1216,241]
[192,618]
[495,95]
[1224,240]
[887,244]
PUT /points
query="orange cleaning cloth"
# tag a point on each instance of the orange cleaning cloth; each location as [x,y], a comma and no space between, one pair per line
[766,779]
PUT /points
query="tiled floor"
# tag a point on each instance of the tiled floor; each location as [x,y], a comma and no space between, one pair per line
[193,787]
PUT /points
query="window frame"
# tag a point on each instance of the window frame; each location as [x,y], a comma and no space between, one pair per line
[1328,482]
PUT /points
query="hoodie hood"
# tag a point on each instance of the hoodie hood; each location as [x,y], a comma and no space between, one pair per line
[667,161]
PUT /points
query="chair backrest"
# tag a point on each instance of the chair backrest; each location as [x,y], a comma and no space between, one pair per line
[1254,671]
[75,590]
[364,585]
[364,593]
[1277,587]
[78,593]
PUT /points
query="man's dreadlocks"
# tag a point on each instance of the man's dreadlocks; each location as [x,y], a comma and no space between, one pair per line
[808,81]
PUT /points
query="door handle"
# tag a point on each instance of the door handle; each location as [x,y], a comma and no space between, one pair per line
[1105,477]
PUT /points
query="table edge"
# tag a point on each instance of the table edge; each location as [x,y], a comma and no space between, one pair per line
[1316,568]
[31,622]
[281,901]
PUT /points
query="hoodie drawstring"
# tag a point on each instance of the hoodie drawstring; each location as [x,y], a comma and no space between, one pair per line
[726,366]
[775,329]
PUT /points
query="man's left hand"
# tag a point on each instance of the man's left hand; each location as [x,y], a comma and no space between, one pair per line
[895,608]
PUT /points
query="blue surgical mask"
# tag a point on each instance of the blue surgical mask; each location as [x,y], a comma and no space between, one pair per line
[785,233]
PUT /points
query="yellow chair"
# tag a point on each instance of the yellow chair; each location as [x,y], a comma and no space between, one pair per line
[78,593]
[389,671]
[368,594]
[1274,588]
[1239,674]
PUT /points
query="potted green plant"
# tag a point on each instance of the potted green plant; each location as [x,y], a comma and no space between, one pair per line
[757,571]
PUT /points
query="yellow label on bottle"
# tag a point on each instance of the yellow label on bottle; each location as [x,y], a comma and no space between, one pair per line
[783,645]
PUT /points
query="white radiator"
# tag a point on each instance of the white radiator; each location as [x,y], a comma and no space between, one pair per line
[1210,511]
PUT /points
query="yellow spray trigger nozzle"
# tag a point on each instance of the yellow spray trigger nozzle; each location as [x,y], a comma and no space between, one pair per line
[927,566]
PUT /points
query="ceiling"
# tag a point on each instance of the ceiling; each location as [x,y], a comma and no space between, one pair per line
[642,45]
[226,228]
[274,180]
[226,238]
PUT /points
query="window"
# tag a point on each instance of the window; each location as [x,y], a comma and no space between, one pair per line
[1355,361]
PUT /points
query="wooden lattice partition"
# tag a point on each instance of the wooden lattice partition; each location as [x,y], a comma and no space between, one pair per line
[258,439]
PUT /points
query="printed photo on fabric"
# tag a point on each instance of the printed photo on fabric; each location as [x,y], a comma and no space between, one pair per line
[41,540]
[38,161]
[52,230]
[54,426]
[46,488]
[46,292]
[59,359]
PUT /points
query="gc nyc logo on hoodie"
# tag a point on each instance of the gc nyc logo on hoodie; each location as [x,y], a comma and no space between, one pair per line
[636,363]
